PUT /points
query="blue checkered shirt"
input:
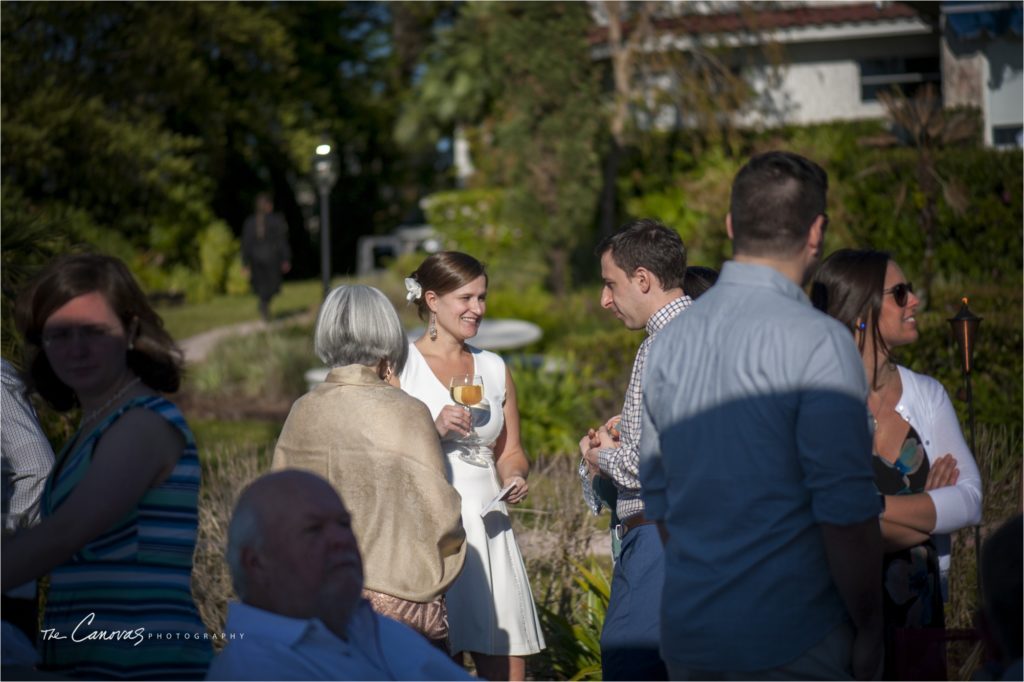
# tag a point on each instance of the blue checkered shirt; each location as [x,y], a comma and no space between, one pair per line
[622,464]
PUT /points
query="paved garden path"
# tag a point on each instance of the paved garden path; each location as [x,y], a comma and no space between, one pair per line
[197,347]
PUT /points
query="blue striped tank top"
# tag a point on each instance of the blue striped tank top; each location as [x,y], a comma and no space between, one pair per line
[122,606]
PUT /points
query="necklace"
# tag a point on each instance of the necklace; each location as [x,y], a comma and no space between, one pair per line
[874,415]
[86,418]
[885,399]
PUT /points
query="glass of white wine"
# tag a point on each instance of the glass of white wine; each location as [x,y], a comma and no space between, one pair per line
[468,390]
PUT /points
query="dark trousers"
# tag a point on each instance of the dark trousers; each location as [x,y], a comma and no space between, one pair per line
[632,626]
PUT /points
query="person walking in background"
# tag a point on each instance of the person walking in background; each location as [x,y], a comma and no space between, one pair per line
[295,565]
[491,613]
[756,457]
[378,447]
[642,267]
[266,255]
[922,464]
[120,508]
[27,461]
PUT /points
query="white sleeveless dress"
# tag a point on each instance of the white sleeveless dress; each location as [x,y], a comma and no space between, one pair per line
[490,606]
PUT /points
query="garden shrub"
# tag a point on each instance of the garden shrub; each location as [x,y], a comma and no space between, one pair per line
[472,221]
[574,639]
[997,371]
[226,471]
[217,248]
[237,283]
[608,355]
[264,367]
[880,202]
[534,304]
[694,203]
[555,404]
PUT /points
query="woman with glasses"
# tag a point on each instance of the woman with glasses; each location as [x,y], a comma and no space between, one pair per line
[119,511]
[922,465]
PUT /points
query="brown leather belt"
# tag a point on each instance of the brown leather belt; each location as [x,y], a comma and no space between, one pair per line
[629,524]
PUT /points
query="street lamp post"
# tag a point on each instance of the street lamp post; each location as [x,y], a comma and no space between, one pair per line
[325,172]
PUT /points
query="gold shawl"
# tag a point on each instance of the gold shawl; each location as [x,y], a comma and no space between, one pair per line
[378,447]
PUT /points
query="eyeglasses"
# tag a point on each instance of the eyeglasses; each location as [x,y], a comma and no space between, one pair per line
[900,292]
[60,338]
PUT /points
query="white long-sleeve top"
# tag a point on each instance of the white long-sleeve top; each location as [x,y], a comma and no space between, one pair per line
[925,405]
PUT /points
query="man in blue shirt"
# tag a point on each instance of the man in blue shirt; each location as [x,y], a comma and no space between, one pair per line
[297,569]
[755,458]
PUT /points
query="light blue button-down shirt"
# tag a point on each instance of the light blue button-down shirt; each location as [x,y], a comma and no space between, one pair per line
[268,646]
[754,433]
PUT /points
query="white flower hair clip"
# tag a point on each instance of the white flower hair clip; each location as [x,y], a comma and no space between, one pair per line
[414,289]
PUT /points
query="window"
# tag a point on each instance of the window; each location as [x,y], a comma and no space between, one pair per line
[1007,136]
[906,74]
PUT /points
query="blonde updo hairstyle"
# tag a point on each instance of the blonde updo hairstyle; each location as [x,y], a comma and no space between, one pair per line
[444,272]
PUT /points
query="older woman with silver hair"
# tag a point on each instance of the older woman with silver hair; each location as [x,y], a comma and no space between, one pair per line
[378,447]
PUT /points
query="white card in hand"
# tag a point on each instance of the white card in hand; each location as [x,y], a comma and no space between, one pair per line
[497,498]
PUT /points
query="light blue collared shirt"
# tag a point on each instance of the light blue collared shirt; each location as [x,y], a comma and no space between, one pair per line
[754,433]
[267,646]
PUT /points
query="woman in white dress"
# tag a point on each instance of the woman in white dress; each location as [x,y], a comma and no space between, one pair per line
[490,607]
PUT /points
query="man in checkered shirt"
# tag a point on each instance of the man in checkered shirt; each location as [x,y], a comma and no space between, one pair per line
[27,455]
[27,460]
[642,267]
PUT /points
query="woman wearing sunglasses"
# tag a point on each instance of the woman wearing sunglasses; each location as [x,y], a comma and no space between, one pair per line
[922,465]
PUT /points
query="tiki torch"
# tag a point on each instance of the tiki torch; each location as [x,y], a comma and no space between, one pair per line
[964,327]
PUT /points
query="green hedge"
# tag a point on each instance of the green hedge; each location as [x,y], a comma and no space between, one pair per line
[880,201]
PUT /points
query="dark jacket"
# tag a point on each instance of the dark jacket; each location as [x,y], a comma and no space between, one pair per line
[264,251]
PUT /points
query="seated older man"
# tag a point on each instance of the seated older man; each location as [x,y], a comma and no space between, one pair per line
[297,569]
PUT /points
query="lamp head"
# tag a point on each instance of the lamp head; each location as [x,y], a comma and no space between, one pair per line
[964,327]
[325,166]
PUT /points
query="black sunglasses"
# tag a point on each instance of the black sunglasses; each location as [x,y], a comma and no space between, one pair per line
[900,292]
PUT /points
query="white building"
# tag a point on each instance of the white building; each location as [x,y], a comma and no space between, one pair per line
[837,56]
[982,64]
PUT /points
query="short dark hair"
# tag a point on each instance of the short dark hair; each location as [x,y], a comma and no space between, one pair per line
[646,243]
[775,198]
[154,358]
[698,280]
[261,199]
[443,272]
[848,286]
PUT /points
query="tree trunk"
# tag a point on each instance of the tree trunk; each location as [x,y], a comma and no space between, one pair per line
[623,51]
[558,277]
[926,220]
[609,190]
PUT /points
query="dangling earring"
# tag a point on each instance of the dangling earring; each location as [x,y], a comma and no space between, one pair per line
[432,329]
[862,326]
[133,332]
